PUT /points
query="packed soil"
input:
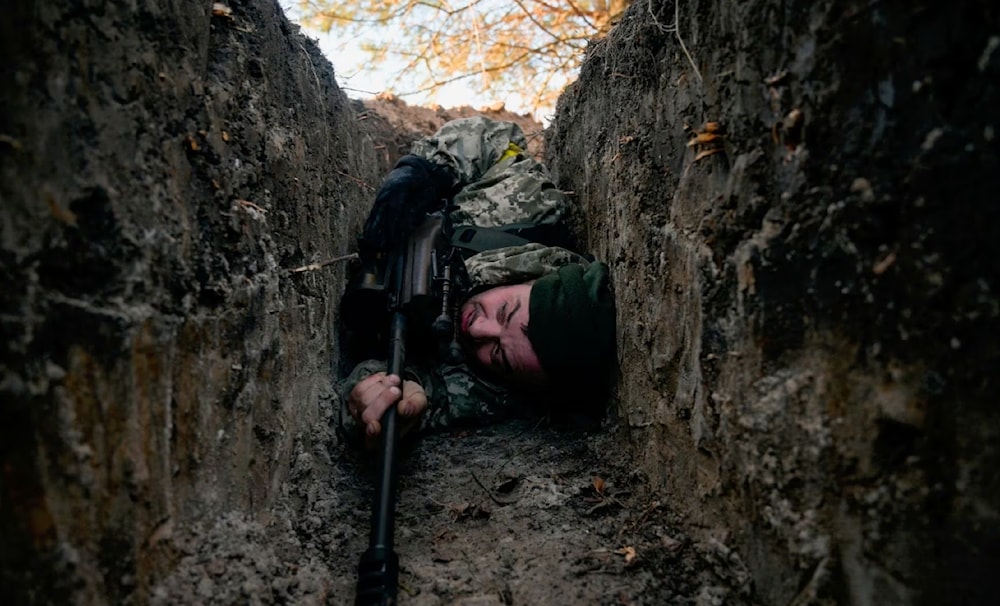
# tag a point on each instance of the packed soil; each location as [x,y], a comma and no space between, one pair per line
[518,513]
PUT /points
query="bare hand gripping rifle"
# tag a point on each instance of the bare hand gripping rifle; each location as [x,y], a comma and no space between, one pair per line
[414,285]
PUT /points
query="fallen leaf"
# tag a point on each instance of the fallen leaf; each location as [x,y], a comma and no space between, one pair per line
[250,205]
[598,483]
[705,153]
[703,138]
[221,10]
[11,141]
[777,78]
[880,267]
[794,118]
[629,553]
[792,128]
[707,141]
[63,215]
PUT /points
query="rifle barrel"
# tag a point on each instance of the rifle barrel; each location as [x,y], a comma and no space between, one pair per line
[378,572]
[412,272]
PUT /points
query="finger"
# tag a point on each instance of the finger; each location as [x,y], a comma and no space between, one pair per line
[368,391]
[410,408]
[379,404]
[363,394]
[375,392]
[414,400]
[370,383]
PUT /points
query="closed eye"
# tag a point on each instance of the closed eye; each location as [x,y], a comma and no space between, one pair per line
[513,312]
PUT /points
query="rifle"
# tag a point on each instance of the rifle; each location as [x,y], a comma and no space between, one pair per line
[415,282]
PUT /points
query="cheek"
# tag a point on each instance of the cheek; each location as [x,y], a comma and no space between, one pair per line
[480,352]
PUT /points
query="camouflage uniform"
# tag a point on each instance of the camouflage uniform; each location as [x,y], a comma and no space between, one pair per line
[499,186]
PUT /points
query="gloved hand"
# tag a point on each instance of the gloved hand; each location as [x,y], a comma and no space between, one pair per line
[414,188]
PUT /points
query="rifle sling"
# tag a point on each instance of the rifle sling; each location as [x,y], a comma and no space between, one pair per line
[472,239]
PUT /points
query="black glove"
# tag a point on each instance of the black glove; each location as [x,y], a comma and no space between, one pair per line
[414,188]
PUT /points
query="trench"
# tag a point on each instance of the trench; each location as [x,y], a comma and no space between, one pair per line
[797,202]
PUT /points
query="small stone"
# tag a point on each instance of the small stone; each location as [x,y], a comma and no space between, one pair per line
[205,587]
[863,187]
[216,567]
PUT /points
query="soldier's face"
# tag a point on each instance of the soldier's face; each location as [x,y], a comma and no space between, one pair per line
[493,329]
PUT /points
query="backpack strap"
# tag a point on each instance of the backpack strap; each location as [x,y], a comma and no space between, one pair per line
[472,239]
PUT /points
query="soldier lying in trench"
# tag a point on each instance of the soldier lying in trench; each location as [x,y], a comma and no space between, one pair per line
[537,326]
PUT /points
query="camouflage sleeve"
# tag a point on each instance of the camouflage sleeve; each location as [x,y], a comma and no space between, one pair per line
[500,183]
[462,399]
[517,264]
[455,397]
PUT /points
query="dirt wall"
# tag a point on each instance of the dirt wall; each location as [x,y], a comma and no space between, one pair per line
[807,295]
[807,288]
[164,166]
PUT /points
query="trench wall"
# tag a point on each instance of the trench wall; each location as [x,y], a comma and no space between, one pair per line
[808,309]
[808,292]
[163,167]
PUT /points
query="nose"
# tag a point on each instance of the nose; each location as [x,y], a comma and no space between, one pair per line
[484,328]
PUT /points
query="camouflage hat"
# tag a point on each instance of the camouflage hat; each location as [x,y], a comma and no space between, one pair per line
[571,325]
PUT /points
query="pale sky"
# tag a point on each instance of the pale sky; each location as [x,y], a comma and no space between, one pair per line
[361,80]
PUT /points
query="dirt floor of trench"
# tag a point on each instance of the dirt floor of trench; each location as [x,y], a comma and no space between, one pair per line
[517,513]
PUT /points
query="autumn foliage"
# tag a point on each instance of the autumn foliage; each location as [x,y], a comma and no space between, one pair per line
[525,47]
